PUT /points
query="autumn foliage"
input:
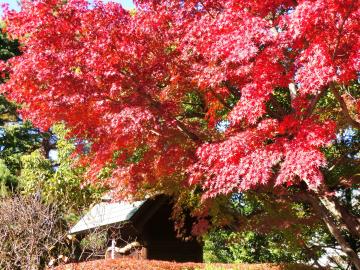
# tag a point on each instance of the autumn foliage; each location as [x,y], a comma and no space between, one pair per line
[121,79]
[216,97]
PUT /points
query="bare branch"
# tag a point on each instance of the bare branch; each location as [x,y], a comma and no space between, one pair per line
[31,233]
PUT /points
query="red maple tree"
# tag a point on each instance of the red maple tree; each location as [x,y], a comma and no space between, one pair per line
[122,80]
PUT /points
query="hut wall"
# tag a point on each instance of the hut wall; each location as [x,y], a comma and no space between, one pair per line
[162,243]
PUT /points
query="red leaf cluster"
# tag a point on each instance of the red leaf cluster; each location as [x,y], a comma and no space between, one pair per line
[118,80]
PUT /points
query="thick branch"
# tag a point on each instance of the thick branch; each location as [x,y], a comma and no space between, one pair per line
[315,100]
[189,134]
[233,90]
[191,103]
[351,223]
[344,108]
[332,227]
[220,99]
[207,11]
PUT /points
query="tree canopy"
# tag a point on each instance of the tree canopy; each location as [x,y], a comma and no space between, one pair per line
[216,97]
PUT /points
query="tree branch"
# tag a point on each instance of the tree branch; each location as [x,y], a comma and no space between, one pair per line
[315,100]
[232,89]
[341,28]
[181,126]
[322,211]
[323,91]
[207,11]
[220,99]
[194,104]
[350,222]
[344,108]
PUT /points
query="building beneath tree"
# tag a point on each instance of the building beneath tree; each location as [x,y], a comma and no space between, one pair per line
[142,229]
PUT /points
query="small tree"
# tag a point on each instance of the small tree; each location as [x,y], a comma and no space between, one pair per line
[31,233]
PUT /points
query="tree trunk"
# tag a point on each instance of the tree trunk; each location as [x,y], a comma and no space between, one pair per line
[323,212]
[347,220]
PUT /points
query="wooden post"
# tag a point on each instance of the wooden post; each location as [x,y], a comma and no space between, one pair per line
[113,242]
[144,253]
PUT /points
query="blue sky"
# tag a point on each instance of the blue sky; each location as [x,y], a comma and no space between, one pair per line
[127,4]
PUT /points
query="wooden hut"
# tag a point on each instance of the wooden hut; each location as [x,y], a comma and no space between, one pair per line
[141,229]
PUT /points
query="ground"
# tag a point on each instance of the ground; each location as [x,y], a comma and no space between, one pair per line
[133,264]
